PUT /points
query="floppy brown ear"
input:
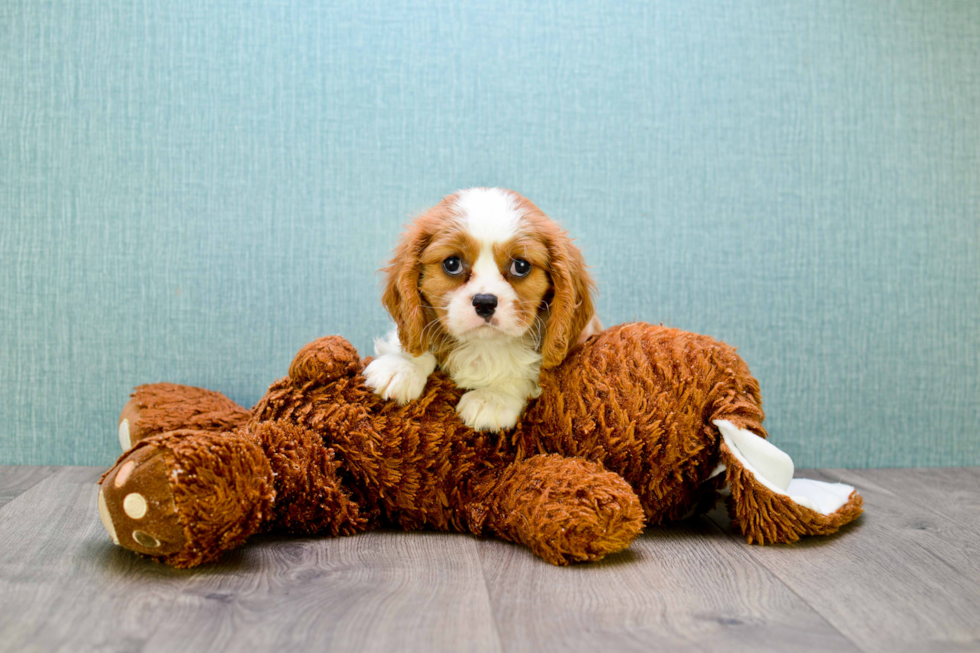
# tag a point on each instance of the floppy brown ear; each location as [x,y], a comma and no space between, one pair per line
[571,308]
[402,297]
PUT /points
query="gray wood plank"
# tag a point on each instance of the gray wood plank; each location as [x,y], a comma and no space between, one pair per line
[65,587]
[902,578]
[684,587]
[17,479]
[952,492]
[382,591]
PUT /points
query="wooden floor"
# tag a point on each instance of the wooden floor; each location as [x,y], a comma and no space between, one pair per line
[905,577]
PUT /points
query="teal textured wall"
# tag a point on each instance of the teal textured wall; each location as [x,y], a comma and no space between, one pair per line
[190,191]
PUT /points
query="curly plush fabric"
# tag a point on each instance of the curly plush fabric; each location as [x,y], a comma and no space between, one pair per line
[161,407]
[205,493]
[624,433]
[640,400]
[564,509]
[310,497]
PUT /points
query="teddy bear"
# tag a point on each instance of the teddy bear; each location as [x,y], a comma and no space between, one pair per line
[639,425]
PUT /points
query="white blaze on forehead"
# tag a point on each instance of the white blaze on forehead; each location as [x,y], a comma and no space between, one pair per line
[489,214]
[485,269]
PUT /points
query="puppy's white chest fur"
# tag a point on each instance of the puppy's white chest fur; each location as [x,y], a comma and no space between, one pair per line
[500,377]
[481,363]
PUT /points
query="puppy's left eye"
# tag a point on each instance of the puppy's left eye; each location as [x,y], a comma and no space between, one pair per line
[519,267]
[453,265]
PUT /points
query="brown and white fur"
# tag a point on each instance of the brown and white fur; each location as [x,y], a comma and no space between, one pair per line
[515,301]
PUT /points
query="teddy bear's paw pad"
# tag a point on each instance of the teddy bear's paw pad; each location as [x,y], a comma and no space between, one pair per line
[129,430]
[137,506]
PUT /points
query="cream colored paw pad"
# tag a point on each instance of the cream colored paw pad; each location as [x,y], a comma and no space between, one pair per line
[106,517]
[124,472]
[124,440]
[135,505]
[146,540]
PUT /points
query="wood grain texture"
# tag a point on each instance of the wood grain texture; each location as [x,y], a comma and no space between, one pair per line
[684,587]
[379,591]
[905,577]
[17,479]
[65,587]
[951,492]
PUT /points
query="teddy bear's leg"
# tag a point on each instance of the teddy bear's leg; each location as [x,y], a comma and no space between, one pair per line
[766,503]
[565,509]
[161,407]
[187,496]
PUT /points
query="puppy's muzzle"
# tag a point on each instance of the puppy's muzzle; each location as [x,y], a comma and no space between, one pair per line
[484,305]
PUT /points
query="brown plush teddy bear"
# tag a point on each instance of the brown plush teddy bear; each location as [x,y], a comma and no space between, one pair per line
[640,425]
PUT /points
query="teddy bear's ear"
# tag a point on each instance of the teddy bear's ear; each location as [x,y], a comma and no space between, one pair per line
[324,360]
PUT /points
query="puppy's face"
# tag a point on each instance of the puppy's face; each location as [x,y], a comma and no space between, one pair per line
[485,275]
[487,264]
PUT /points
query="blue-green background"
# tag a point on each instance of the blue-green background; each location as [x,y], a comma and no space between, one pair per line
[190,191]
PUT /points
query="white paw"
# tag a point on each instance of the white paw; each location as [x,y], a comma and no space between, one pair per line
[486,409]
[392,376]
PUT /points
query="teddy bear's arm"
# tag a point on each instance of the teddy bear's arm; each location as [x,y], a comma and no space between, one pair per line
[324,360]
[186,496]
[564,509]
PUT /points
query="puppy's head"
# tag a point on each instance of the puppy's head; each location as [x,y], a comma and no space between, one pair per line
[486,263]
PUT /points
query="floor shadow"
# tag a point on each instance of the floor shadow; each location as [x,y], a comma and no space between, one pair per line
[723,523]
[118,561]
[613,560]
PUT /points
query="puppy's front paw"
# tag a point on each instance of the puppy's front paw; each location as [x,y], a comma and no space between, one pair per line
[486,409]
[392,376]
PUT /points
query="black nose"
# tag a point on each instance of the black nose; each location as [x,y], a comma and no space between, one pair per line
[484,305]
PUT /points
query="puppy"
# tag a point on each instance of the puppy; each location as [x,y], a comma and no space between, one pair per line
[487,288]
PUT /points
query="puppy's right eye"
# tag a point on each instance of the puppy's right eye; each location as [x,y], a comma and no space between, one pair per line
[453,265]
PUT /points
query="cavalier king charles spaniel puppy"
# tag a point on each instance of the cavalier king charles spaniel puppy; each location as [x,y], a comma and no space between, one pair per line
[487,288]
